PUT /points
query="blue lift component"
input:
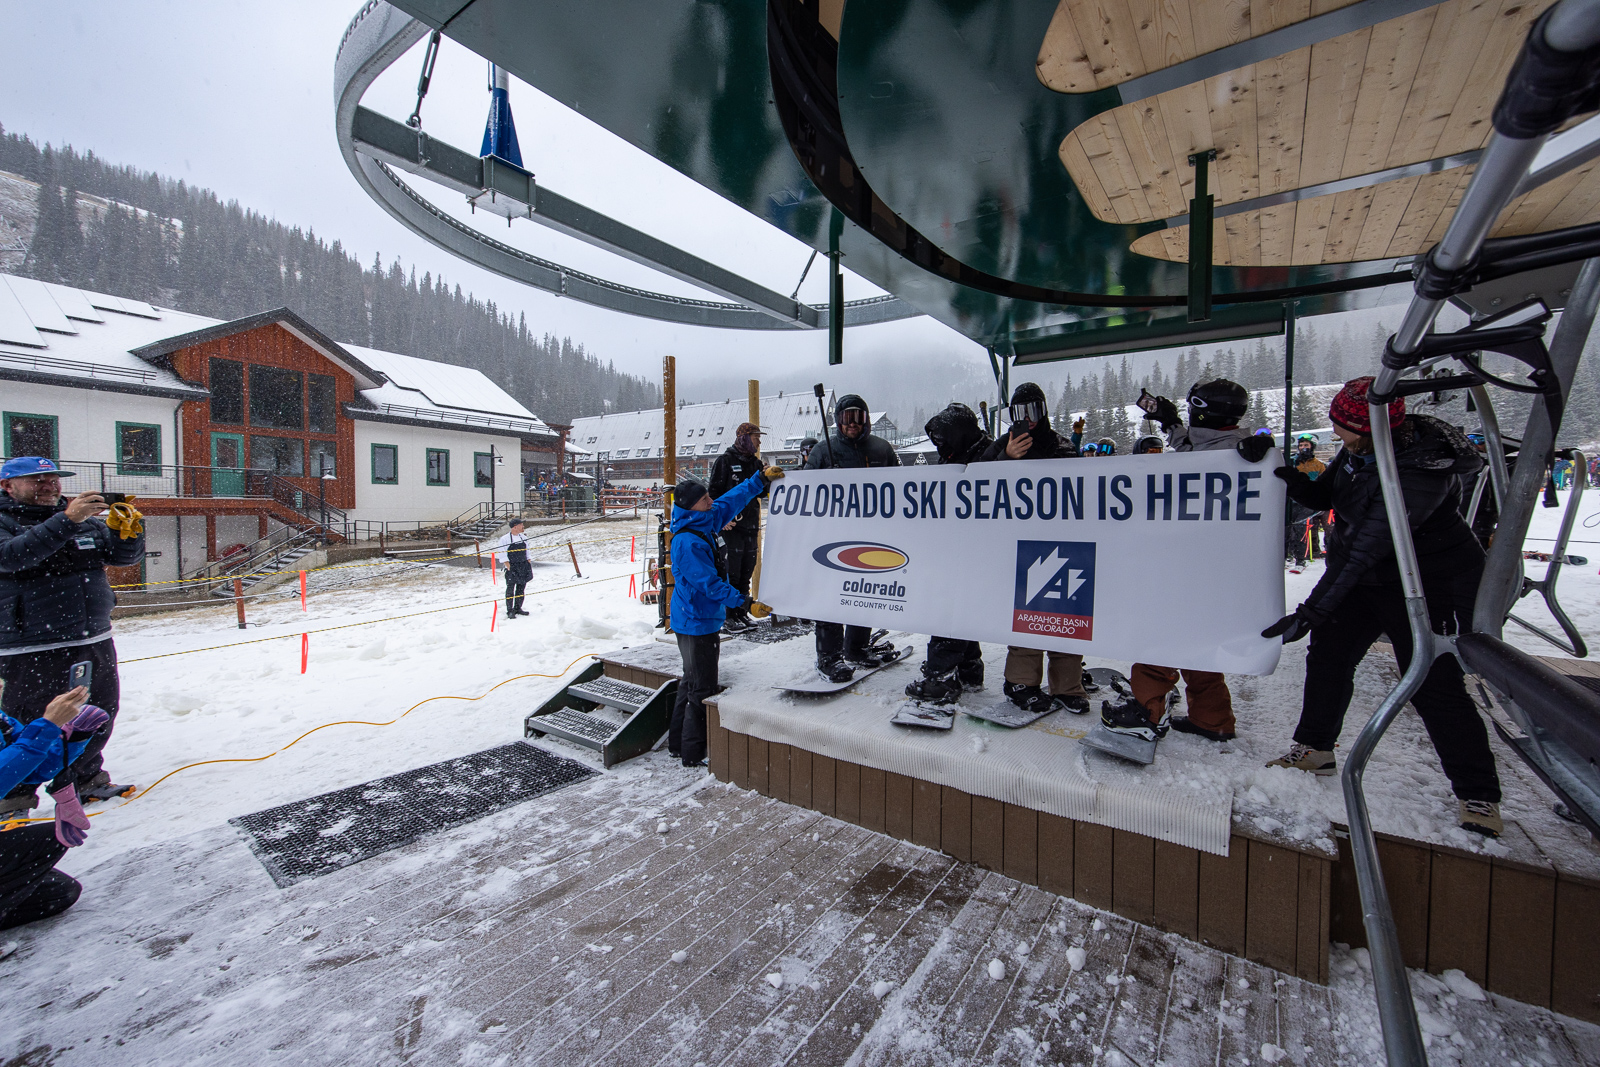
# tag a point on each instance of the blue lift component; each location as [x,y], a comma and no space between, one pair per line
[500,133]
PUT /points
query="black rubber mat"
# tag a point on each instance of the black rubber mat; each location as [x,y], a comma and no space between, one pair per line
[764,633]
[319,835]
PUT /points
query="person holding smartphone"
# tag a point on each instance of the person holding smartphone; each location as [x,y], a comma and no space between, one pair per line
[55,612]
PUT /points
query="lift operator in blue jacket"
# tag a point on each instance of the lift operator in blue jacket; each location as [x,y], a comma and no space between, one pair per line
[701,597]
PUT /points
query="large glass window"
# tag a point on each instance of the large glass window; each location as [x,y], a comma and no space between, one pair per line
[138,448]
[30,435]
[280,455]
[227,392]
[323,458]
[322,406]
[277,398]
[438,466]
[482,470]
[385,465]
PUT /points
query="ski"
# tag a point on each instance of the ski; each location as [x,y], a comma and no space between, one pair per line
[818,684]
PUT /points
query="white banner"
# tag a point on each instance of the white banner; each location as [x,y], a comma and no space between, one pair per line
[1174,559]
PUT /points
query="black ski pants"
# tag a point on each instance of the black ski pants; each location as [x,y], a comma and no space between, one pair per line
[835,639]
[30,888]
[952,653]
[1452,720]
[33,679]
[687,734]
[741,561]
[514,591]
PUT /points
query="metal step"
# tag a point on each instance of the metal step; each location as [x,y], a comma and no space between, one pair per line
[613,692]
[590,731]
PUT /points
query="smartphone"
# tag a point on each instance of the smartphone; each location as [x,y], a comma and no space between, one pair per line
[82,673]
[114,498]
[1146,402]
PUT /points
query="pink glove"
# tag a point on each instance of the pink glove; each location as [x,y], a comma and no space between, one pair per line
[72,825]
[87,721]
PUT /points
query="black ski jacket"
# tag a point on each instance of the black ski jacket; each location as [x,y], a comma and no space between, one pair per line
[840,453]
[733,468]
[1046,444]
[53,586]
[1430,455]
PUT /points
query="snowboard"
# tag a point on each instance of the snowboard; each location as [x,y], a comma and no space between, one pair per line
[1100,739]
[926,716]
[1005,713]
[818,684]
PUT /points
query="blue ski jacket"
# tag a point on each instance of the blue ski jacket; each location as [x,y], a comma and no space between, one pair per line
[32,754]
[701,597]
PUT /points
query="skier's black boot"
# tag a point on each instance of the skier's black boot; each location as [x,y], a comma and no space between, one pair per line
[1028,697]
[935,688]
[871,657]
[1130,719]
[1076,705]
[971,675]
[101,787]
[835,669]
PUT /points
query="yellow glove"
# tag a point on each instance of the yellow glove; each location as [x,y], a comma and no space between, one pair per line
[126,520]
[772,474]
[758,610]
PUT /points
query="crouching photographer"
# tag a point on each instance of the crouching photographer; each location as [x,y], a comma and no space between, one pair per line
[30,887]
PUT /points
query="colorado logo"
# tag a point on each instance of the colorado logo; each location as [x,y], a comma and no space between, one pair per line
[860,556]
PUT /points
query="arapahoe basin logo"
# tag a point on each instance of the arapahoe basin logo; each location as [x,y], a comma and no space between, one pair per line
[861,557]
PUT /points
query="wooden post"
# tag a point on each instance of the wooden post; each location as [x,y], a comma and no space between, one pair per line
[669,479]
[238,599]
[477,548]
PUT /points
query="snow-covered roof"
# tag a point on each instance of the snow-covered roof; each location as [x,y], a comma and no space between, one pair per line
[442,392]
[703,429]
[916,444]
[55,334]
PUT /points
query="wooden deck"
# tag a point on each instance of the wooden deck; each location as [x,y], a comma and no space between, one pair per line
[547,934]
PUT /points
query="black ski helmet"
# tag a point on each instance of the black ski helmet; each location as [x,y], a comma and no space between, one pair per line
[1148,442]
[1028,404]
[848,402]
[954,431]
[1217,404]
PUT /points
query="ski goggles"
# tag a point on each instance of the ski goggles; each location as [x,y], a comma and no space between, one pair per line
[1030,413]
[852,417]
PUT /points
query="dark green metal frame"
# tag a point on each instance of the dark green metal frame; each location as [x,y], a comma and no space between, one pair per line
[638,735]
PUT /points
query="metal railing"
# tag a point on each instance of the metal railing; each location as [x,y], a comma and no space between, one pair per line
[191,482]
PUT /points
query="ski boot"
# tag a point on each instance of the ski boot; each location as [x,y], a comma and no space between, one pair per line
[835,669]
[936,689]
[1184,725]
[1028,697]
[18,807]
[871,657]
[1072,704]
[1130,719]
[970,675]
[735,623]
[101,787]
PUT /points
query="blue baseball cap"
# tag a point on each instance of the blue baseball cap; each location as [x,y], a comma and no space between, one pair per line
[23,466]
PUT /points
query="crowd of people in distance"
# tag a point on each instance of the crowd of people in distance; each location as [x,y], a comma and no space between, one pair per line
[1356,600]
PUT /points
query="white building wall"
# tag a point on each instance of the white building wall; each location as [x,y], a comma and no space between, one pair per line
[86,419]
[413,499]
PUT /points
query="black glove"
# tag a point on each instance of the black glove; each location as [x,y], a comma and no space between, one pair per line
[1166,413]
[1294,627]
[1255,447]
[1291,476]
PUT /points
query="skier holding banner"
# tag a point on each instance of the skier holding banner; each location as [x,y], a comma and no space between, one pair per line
[1215,408]
[1031,437]
[952,663]
[840,648]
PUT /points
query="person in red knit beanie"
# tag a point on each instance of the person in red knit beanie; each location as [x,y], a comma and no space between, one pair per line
[1359,597]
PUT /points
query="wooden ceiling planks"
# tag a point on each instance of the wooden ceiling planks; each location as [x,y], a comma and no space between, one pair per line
[1405,91]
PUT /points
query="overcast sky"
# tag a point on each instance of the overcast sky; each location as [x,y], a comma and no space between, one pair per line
[238,98]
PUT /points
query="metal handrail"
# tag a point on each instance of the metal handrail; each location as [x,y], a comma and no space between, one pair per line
[1574,644]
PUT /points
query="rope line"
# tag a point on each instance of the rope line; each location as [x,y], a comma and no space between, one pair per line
[11,824]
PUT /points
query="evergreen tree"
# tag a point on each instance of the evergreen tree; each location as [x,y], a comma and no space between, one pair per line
[1307,414]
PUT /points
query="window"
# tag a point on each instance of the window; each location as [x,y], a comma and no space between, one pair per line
[277,398]
[647,435]
[719,431]
[702,431]
[661,452]
[792,442]
[438,466]
[280,455]
[709,449]
[323,410]
[324,459]
[601,457]
[30,435]
[385,465]
[483,470]
[138,448]
[622,453]
[227,392]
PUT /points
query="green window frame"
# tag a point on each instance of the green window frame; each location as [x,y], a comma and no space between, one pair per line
[478,479]
[9,417]
[124,466]
[437,473]
[394,465]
